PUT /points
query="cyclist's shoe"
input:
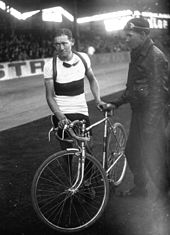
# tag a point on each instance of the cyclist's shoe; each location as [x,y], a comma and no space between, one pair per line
[134,192]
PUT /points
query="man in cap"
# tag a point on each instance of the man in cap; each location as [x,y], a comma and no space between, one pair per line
[147,92]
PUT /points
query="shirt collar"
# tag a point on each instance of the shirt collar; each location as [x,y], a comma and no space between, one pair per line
[142,50]
[74,60]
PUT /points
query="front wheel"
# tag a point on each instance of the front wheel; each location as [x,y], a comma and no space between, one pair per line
[116,159]
[54,201]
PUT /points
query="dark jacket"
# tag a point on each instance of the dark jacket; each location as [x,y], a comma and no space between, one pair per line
[147,83]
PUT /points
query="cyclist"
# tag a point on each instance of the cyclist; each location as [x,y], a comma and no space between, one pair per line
[64,81]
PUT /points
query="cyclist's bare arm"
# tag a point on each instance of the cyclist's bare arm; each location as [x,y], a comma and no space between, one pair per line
[94,86]
[50,97]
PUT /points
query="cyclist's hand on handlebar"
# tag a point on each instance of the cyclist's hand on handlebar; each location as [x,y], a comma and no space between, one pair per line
[63,122]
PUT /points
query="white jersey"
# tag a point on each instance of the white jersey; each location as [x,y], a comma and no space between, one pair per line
[69,85]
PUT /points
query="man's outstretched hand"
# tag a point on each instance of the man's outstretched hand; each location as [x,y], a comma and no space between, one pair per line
[106,107]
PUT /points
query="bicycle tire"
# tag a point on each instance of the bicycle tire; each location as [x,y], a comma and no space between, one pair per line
[115,152]
[52,202]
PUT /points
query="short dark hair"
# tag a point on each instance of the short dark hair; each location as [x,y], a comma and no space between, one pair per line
[138,25]
[64,31]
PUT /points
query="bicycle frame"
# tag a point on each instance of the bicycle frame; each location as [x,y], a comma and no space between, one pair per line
[107,122]
[82,150]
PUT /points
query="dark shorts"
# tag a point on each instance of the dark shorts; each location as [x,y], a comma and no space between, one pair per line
[72,117]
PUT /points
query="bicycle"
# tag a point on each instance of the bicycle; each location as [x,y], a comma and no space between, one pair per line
[71,197]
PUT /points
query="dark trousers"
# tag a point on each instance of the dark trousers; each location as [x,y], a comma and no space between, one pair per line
[146,151]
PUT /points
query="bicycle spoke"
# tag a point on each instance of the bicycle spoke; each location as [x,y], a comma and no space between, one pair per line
[116,161]
[58,204]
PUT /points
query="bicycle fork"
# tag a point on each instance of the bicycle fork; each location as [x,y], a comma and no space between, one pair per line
[80,169]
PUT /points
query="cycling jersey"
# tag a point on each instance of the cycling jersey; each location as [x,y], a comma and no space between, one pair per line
[69,83]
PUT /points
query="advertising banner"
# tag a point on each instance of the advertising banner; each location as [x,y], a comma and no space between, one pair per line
[28,68]
[21,69]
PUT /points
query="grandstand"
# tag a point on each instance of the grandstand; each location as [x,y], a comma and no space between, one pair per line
[26,44]
[31,39]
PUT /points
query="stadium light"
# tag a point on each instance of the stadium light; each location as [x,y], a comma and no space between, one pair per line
[112,20]
[116,23]
[106,16]
[28,14]
[67,14]
[2,5]
[21,16]
[52,14]
[55,14]
[15,13]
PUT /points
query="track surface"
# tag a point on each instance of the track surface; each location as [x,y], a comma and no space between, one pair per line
[24,147]
[23,100]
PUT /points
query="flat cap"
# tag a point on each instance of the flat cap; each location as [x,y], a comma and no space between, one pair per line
[138,25]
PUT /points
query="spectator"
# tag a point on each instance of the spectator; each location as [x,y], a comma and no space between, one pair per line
[36,45]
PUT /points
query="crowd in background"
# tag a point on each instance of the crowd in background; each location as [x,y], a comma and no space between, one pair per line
[102,43]
[34,45]
[23,46]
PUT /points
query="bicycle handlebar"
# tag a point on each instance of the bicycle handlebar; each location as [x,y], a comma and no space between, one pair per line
[108,108]
[69,129]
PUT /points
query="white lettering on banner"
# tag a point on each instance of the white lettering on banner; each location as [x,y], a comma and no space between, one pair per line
[27,68]
[21,69]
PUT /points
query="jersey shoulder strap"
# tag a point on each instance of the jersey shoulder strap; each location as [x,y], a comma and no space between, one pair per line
[55,64]
[54,67]
[83,60]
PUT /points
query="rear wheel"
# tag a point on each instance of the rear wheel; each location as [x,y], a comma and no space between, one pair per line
[115,154]
[61,208]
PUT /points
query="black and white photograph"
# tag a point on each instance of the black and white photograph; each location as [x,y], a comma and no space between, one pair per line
[84,117]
